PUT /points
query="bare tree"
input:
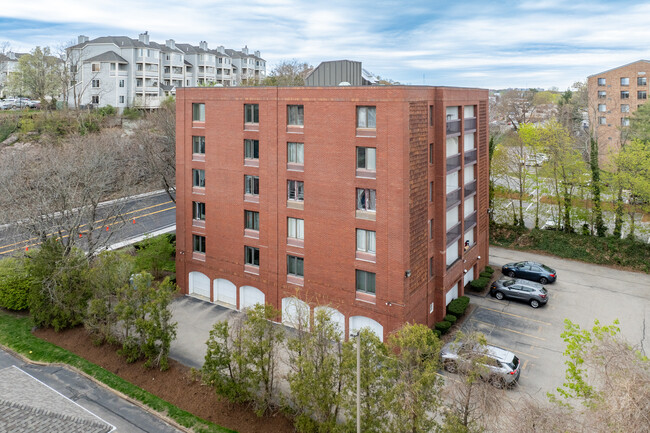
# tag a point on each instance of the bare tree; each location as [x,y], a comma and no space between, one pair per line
[58,191]
[288,73]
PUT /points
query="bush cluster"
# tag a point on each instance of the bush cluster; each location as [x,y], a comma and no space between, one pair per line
[458,306]
[443,326]
[14,284]
[131,113]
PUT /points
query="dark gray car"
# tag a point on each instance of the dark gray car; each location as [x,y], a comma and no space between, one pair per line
[523,290]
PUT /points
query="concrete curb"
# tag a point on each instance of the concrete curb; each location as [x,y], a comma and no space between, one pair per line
[133,240]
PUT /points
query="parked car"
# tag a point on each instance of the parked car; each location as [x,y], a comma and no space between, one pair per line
[530,271]
[502,368]
[552,224]
[523,290]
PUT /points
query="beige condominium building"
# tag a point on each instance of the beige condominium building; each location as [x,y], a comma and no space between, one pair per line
[613,96]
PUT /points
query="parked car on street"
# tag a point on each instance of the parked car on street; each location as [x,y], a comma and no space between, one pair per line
[530,271]
[523,290]
[501,367]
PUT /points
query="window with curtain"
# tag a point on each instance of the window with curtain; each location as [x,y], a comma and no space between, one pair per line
[366,241]
[295,228]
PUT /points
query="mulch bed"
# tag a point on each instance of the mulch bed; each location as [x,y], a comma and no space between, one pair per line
[176,385]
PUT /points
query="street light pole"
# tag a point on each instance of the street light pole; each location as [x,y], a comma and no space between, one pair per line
[358,335]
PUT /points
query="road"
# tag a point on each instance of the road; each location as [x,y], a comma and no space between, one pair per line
[139,215]
[583,293]
[58,390]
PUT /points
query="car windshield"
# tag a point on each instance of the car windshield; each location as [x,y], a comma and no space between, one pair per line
[547,269]
[513,364]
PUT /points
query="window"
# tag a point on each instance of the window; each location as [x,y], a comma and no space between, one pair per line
[121,99]
[641,94]
[641,81]
[601,82]
[252,256]
[430,229]
[602,108]
[251,220]
[602,120]
[602,94]
[430,153]
[198,210]
[198,144]
[625,81]
[367,117]
[625,121]
[251,113]
[95,67]
[366,199]
[366,241]
[295,153]
[295,190]
[251,149]
[95,83]
[198,244]
[366,158]
[625,94]
[365,282]
[95,99]
[251,184]
[121,83]
[198,112]
[295,228]
[295,266]
[625,108]
[430,115]
[198,178]
[295,115]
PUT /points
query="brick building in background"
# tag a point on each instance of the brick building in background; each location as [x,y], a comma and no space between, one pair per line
[355,199]
[613,96]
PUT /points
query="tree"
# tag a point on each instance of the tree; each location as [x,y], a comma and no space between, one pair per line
[633,175]
[519,107]
[601,228]
[288,73]
[413,385]
[156,139]
[508,166]
[155,254]
[37,75]
[316,377]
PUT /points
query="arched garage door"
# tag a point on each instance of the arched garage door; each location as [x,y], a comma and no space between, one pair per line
[225,293]
[199,284]
[249,296]
[358,322]
[335,316]
[295,313]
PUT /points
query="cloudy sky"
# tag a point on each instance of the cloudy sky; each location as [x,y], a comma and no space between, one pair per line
[477,43]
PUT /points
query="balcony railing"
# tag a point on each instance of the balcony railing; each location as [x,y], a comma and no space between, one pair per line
[470,156]
[470,188]
[470,221]
[453,234]
[453,162]
[453,127]
[453,198]
[470,123]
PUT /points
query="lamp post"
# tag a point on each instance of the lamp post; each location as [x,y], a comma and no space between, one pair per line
[358,336]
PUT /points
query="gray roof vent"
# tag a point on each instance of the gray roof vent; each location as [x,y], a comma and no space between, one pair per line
[344,84]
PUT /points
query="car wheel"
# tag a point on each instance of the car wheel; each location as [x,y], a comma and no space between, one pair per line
[543,280]
[498,383]
[499,295]
[534,303]
[511,274]
[450,366]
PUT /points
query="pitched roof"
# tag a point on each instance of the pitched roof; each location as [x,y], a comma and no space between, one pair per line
[618,67]
[108,56]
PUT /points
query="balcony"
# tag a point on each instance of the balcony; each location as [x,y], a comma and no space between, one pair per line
[470,188]
[147,101]
[471,156]
[453,198]
[453,234]
[453,127]
[470,221]
[470,124]
[453,163]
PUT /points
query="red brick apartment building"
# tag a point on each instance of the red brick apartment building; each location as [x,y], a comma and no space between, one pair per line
[359,200]
[613,96]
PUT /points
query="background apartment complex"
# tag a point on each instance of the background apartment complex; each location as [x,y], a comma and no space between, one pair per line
[359,200]
[613,96]
[125,72]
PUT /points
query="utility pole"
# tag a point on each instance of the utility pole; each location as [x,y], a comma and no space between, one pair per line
[358,335]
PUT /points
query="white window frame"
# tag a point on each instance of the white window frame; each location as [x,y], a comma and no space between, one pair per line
[295,228]
[366,241]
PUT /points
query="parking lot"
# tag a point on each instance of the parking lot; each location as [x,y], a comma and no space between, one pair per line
[582,293]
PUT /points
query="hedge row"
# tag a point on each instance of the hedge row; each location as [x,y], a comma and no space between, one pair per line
[455,310]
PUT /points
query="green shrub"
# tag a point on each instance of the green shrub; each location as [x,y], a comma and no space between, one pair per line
[108,110]
[437,333]
[131,113]
[458,306]
[489,269]
[450,318]
[479,283]
[14,284]
[485,274]
[443,327]
[156,255]
[464,300]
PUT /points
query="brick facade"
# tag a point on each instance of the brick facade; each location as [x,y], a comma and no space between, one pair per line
[405,172]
